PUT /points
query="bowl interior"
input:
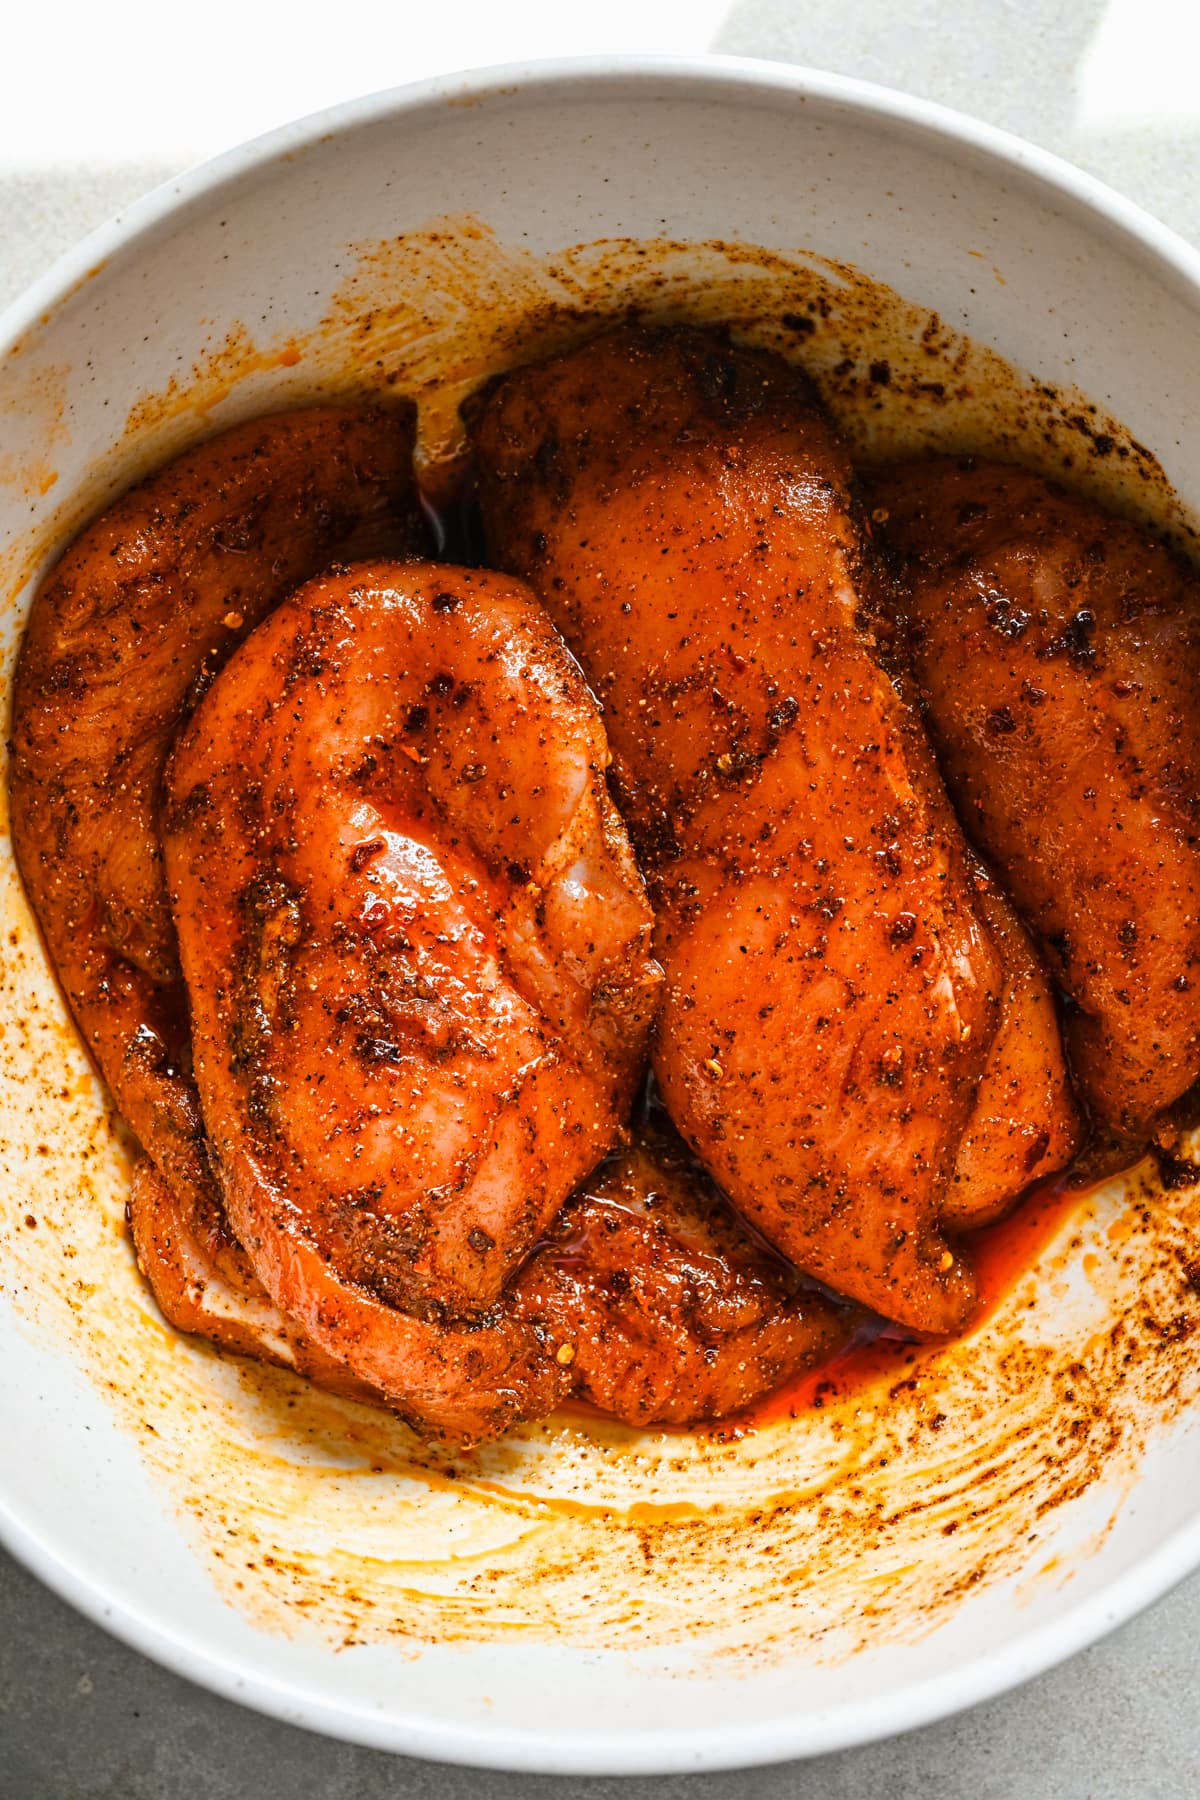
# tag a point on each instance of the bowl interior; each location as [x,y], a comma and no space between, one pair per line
[687,1601]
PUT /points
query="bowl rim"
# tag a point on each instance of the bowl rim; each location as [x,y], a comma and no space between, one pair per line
[604,1752]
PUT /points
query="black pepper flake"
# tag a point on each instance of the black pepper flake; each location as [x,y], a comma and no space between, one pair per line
[903,928]
[361,854]
[1007,619]
[783,715]
[1175,1172]
[1074,641]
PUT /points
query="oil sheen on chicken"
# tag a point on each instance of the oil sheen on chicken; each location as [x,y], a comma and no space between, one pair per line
[833,990]
[1058,649]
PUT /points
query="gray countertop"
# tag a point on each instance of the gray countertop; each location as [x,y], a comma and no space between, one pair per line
[1109,84]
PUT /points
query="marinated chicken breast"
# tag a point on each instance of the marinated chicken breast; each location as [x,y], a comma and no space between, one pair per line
[415,944]
[125,631]
[1058,650]
[668,1311]
[684,511]
[204,1285]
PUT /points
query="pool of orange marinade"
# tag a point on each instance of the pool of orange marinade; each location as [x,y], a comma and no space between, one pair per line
[1000,1254]
[862,1503]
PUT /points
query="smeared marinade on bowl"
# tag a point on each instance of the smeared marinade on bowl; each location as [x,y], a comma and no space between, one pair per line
[688,1523]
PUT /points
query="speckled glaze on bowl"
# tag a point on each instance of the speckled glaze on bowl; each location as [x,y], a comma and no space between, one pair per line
[582,1598]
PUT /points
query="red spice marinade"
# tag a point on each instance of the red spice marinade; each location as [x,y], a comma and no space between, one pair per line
[1001,1254]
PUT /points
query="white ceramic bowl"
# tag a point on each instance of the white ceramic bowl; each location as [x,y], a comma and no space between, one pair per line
[582,1599]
